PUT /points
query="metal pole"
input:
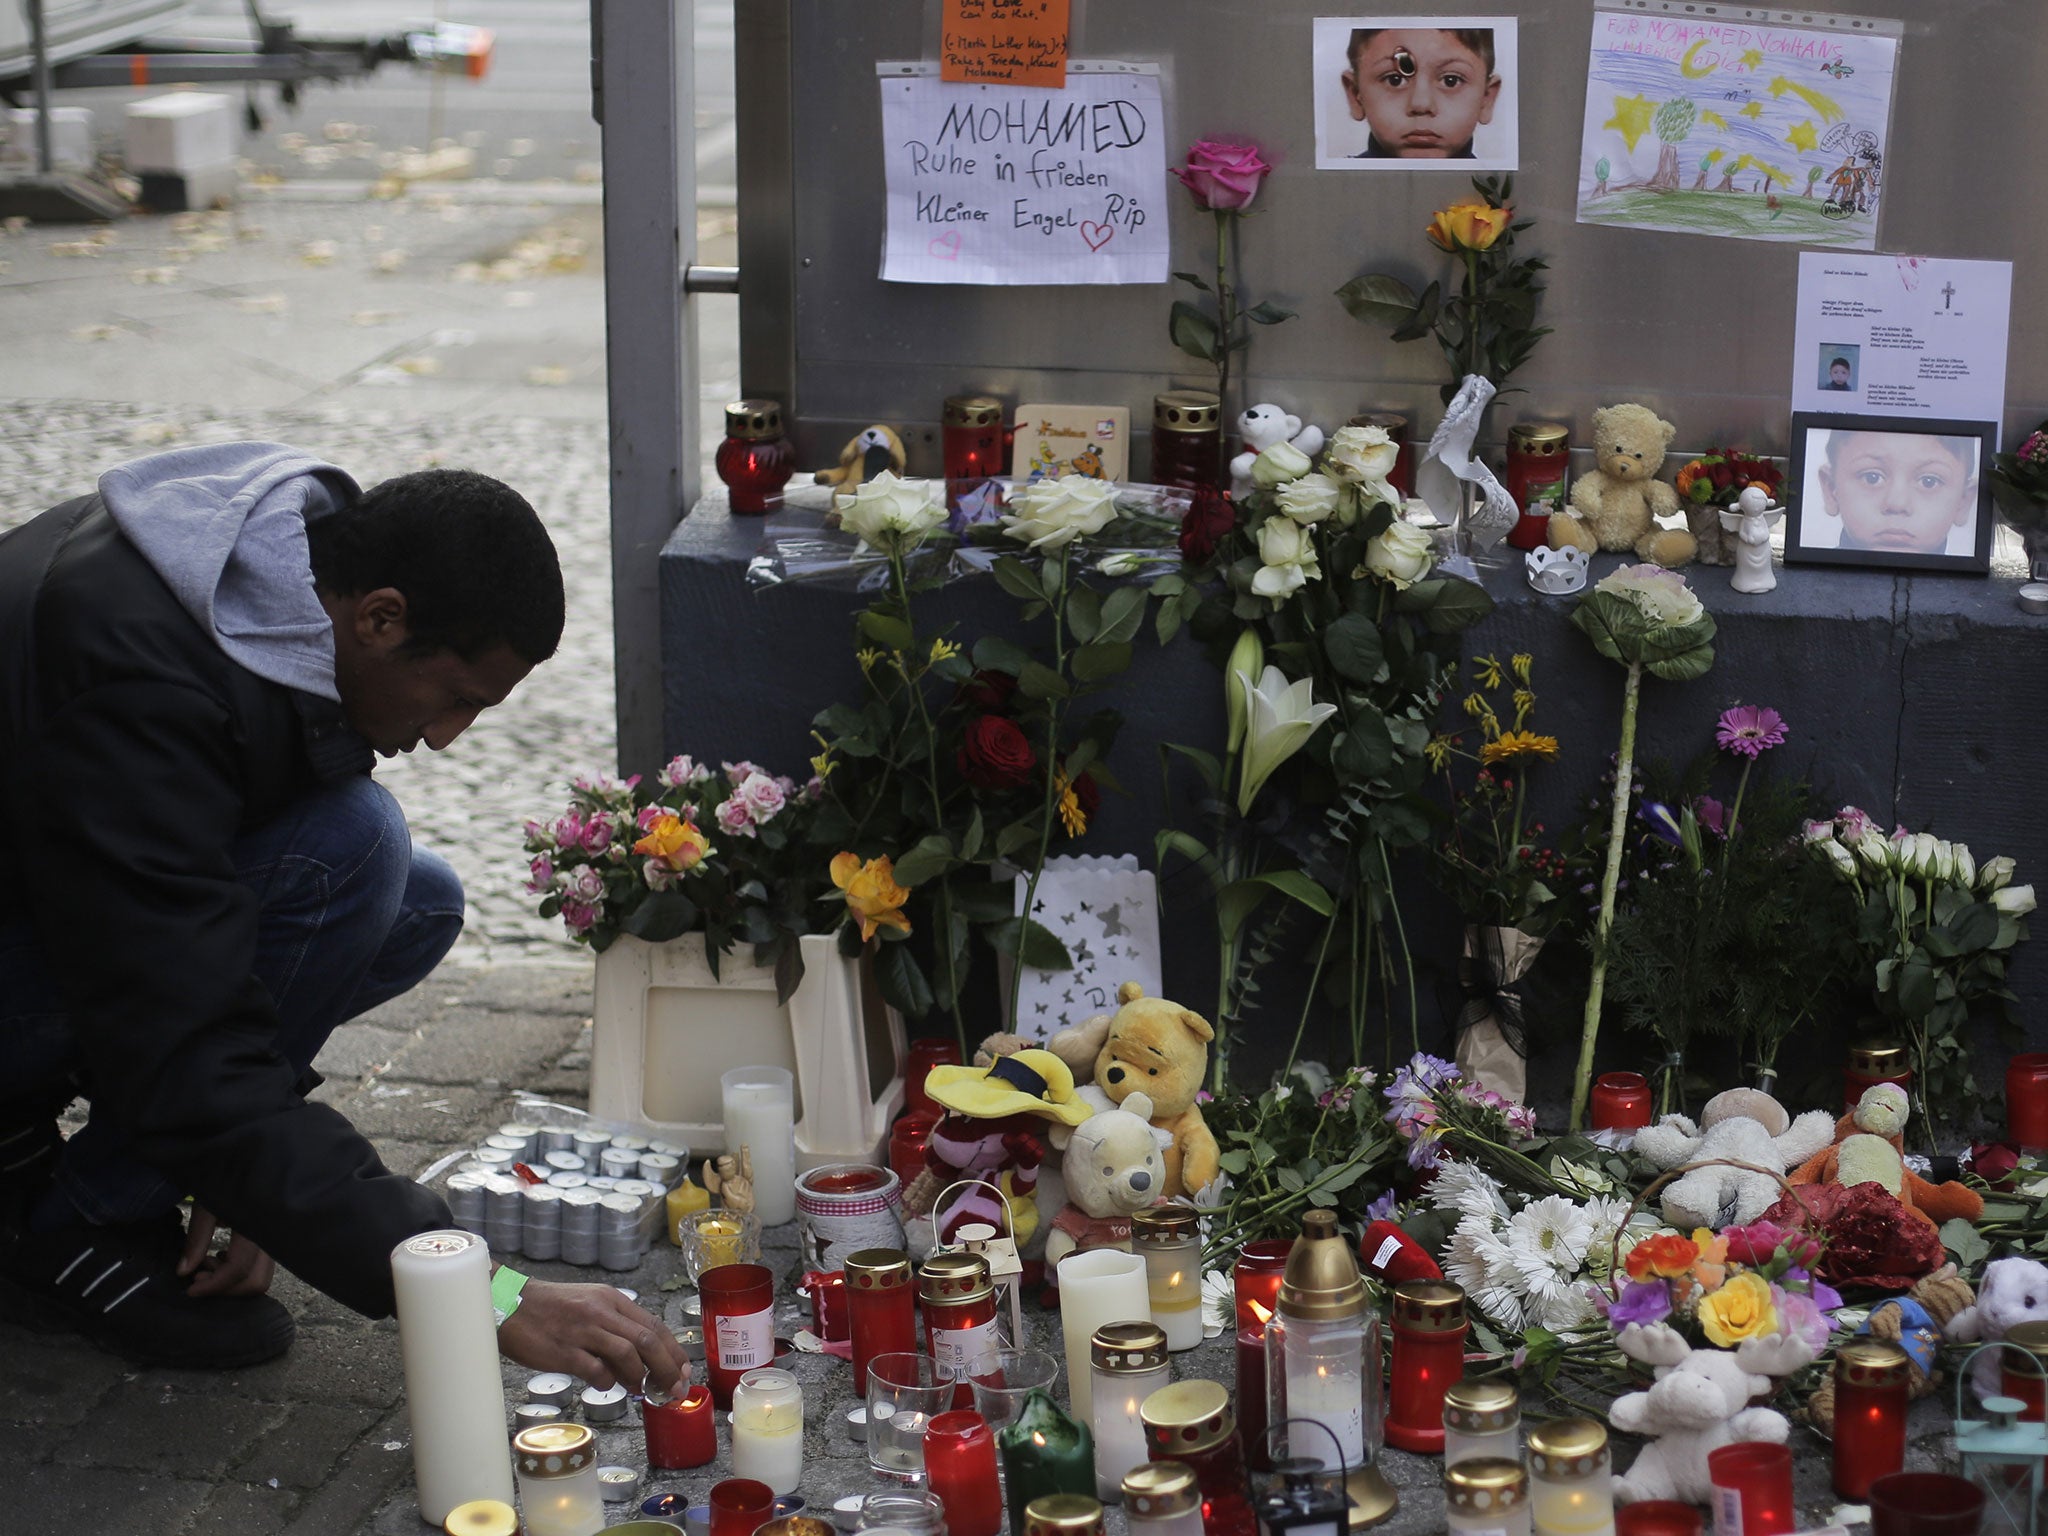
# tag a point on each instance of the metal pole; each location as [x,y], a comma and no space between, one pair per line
[46,149]
[645,90]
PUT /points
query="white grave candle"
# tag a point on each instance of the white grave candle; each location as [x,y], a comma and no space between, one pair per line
[1103,1285]
[760,1115]
[448,1336]
[768,1429]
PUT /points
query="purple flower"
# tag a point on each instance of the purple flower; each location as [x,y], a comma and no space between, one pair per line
[1642,1301]
[1382,1209]
[1801,1317]
[579,917]
[1711,814]
[1749,730]
[1662,822]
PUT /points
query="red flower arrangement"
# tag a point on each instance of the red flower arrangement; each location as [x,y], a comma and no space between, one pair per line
[1871,1238]
[1718,477]
[1208,519]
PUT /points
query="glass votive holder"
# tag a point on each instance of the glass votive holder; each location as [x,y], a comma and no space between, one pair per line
[1482,1417]
[556,1469]
[905,1392]
[716,1236]
[1486,1496]
[1752,1489]
[960,1470]
[1659,1517]
[1019,1372]
[1925,1504]
[911,1511]
[1571,1486]
[740,1506]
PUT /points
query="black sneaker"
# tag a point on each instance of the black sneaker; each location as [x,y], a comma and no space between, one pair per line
[119,1287]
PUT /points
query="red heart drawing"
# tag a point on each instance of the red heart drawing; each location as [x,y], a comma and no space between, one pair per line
[1097,235]
[945,247]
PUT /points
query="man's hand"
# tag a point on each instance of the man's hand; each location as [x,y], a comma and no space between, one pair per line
[594,1333]
[240,1269]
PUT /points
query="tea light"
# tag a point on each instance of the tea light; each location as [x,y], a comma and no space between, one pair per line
[526,1415]
[558,1487]
[556,1138]
[2034,597]
[857,1423]
[589,1143]
[681,1432]
[603,1404]
[551,1387]
[1168,1239]
[565,1162]
[616,1485]
[1487,1496]
[448,1336]
[661,1168]
[768,1429]
[1573,1487]
[846,1511]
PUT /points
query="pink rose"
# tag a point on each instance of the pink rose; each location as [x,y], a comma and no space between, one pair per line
[597,832]
[585,885]
[733,817]
[658,877]
[649,815]
[739,771]
[578,916]
[569,831]
[540,875]
[814,788]
[762,796]
[683,770]
[539,834]
[1223,177]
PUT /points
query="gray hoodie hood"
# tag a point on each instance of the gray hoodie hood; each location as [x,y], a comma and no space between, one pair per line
[224,524]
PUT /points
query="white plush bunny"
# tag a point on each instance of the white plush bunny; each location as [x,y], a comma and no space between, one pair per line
[1698,1403]
[1261,427]
[2013,1291]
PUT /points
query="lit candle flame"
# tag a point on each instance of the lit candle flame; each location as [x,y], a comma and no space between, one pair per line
[1263,1314]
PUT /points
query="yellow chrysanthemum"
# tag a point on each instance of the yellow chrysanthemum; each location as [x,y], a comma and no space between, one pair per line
[1514,744]
[1072,817]
[1487,670]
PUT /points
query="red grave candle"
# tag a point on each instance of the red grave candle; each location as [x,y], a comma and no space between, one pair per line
[923,1055]
[908,1138]
[1256,1284]
[959,1304]
[971,436]
[1429,1359]
[739,1324]
[1752,1489]
[2026,1100]
[1872,1062]
[681,1432]
[2025,1375]
[1621,1101]
[1187,439]
[755,461]
[881,1308]
[1191,1422]
[960,1467]
[828,1304]
[1658,1517]
[1538,454]
[740,1506]
[1870,1415]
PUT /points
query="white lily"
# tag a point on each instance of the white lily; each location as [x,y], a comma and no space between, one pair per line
[1247,657]
[1281,718]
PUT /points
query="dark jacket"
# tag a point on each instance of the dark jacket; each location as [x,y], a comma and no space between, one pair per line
[132,753]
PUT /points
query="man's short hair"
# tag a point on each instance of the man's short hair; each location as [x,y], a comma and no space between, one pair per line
[1477,40]
[1840,362]
[477,568]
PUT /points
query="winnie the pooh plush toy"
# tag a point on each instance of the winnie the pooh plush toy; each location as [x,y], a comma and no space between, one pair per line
[1157,1047]
[1616,504]
[1113,1166]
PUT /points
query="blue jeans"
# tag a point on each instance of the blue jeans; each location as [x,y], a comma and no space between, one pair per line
[351,914]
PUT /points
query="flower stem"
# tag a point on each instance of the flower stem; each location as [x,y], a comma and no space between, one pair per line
[1617,828]
[1052,769]
[1226,321]
[1741,788]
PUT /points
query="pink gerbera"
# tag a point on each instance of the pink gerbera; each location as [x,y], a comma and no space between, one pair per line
[1750,730]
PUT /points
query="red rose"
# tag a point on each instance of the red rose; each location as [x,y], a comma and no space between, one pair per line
[1994,1162]
[995,754]
[987,690]
[1208,520]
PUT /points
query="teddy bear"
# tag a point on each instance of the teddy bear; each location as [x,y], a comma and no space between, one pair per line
[1261,427]
[1698,1403]
[1113,1163]
[1869,1145]
[1616,504]
[1914,1322]
[1162,1048]
[2013,1291]
[995,1131]
[1742,1124]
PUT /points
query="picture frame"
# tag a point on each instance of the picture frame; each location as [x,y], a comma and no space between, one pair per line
[1468,112]
[1891,492]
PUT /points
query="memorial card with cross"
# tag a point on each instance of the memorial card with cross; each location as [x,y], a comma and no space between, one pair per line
[1106,912]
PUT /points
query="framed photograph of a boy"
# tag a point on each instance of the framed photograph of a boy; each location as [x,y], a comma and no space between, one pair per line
[1891,491]
[1415,93]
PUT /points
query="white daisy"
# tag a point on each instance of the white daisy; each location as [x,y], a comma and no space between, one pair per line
[1549,1238]
[1468,1190]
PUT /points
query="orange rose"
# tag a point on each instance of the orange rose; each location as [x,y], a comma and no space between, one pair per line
[1469,226]
[1666,1254]
[1712,1267]
[673,843]
[873,898]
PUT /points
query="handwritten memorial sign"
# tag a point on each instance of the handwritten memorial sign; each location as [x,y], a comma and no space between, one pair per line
[997,184]
[1005,42]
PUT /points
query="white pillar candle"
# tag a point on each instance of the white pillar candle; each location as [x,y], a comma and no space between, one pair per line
[768,1429]
[448,1336]
[760,1115]
[1102,1285]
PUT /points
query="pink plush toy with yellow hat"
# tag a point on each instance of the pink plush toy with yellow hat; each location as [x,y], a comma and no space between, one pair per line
[994,1130]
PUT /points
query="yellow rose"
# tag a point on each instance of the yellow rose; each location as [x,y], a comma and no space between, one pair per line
[673,843]
[1740,1310]
[873,898]
[1469,226]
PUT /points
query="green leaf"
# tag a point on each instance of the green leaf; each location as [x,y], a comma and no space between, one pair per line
[970,840]
[1290,1180]
[984,901]
[1041,947]
[992,653]
[1188,847]
[1424,316]
[1206,763]
[1268,313]
[1084,612]
[1353,646]
[1016,578]
[1963,1240]
[1038,681]
[1447,604]
[1193,332]
[902,980]
[1167,624]
[1052,572]
[1366,750]
[1975,928]
[932,856]
[1238,900]
[1093,663]
[1122,614]
[1377,299]
[1193,281]
[1015,838]
[890,633]
[664,915]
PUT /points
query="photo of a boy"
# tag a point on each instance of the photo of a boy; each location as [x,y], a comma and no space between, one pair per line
[1423,92]
[1838,366]
[1838,374]
[1896,492]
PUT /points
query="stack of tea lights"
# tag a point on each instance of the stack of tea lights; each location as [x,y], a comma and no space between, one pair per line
[584,1195]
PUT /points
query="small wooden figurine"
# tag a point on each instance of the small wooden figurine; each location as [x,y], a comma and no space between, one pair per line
[732,1182]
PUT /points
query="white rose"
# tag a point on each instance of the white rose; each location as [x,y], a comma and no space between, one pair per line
[1309,499]
[1279,464]
[1287,554]
[1123,563]
[1995,874]
[2014,900]
[1048,513]
[1877,852]
[1662,596]
[1966,865]
[892,515]
[1361,455]
[1840,857]
[1400,556]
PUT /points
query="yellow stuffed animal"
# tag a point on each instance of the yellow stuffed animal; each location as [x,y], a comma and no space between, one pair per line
[1158,1048]
[865,456]
[1615,506]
